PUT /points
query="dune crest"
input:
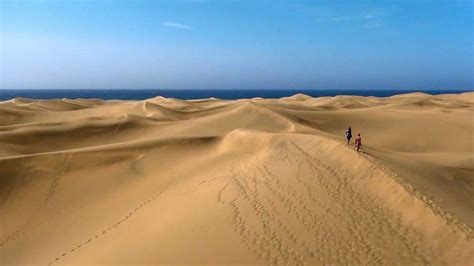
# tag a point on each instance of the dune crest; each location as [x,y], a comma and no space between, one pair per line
[257,181]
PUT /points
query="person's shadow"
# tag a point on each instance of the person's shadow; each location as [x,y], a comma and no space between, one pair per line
[369,154]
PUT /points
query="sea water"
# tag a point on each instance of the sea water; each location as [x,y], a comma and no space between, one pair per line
[140,94]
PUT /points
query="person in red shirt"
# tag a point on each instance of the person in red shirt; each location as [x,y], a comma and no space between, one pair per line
[358,142]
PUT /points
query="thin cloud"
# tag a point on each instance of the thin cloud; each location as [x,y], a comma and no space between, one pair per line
[374,25]
[176,25]
[363,17]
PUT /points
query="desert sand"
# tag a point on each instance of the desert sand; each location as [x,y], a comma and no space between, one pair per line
[251,181]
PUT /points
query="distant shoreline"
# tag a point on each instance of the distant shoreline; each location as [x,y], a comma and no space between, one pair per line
[142,94]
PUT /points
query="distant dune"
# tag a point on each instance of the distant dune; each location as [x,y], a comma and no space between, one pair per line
[258,181]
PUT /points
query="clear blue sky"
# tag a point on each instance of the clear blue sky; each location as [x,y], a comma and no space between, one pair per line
[205,44]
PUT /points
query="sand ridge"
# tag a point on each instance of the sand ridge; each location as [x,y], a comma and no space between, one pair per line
[265,181]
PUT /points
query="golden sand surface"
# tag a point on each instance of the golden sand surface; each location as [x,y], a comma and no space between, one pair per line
[251,181]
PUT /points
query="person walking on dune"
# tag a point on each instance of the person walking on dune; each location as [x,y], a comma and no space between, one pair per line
[348,134]
[358,142]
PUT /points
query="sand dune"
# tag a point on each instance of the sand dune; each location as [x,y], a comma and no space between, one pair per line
[257,181]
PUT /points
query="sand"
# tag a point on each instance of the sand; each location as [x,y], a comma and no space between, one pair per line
[257,181]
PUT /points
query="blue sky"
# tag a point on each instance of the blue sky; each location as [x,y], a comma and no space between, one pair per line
[205,44]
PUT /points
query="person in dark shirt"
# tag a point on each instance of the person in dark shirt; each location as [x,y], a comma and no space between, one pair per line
[348,134]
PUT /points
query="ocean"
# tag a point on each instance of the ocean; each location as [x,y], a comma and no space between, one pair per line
[138,94]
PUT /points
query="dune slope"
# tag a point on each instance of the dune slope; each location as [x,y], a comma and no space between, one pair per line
[257,181]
